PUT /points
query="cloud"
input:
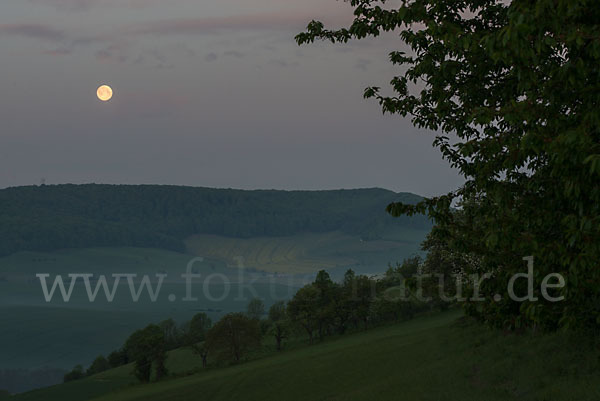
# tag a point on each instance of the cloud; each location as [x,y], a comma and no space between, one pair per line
[288,22]
[124,44]
[155,56]
[36,31]
[58,52]
[152,103]
[211,57]
[85,5]
[113,52]
[362,64]
[66,5]
[64,43]
[279,62]
[234,53]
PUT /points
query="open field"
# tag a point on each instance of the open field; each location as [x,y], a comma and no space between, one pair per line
[435,358]
[307,253]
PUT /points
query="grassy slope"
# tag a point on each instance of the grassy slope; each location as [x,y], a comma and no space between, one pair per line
[432,358]
[179,362]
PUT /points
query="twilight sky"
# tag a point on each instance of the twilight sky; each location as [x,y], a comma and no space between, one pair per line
[207,93]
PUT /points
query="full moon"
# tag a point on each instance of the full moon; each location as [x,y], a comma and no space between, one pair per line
[105,93]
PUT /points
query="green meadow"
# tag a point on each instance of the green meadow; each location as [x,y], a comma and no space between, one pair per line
[442,357]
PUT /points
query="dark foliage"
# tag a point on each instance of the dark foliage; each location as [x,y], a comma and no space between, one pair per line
[49,217]
[76,374]
[233,336]
[148,349]
[100,364]
[511,90]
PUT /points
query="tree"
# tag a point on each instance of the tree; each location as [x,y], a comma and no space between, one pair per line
[147,347]
[342,302]
[171,333]
[445,268]
[233,336]
[197,328]
[349,278]
[100,364]
[302,309]
[361,299]
[255,309]
[340,309]
[327,292]
[118,358]
[511,88]
[201,350]
[76,374]
[280,326]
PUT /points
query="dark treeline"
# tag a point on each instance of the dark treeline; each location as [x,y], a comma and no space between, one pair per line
[49,217]
[147,348]
[320,309]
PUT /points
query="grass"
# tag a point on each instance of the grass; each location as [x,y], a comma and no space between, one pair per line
[82,389]
[435,358]
[180,362]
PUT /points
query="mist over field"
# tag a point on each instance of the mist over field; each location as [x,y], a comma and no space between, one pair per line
[241,244]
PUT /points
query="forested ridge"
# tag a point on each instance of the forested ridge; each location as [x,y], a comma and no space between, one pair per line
[50,217]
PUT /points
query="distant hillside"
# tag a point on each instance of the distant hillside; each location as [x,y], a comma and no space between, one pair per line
[50,217]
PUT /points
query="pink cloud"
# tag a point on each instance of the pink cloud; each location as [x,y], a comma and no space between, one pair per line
[37,31]
[286,21]
[84,5]
[58,52]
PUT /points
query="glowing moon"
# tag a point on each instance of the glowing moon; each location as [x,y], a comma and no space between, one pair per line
[104,93]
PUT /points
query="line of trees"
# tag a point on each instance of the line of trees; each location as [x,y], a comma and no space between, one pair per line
[147,349]
[319,309]
[359,302]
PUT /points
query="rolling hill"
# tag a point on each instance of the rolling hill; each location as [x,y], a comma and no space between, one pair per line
[152,229]
[436,358]
[50,217]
